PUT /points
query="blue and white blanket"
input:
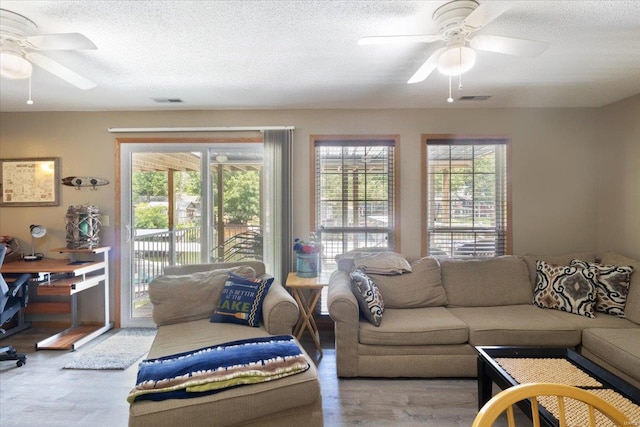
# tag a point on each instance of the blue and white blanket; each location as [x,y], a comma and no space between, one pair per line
[216,368]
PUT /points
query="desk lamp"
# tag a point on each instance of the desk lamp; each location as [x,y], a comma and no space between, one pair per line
[37,231]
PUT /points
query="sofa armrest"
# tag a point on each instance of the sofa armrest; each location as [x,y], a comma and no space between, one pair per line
[342,304]
[279,311]
[344,310]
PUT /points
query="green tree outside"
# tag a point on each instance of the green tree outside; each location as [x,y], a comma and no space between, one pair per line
[241,195]
[146,185]
[150,217]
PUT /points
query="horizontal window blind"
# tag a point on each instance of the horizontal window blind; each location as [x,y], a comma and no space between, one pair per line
[354,194]
[467,200]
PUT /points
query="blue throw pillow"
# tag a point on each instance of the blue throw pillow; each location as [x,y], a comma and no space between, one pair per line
[241,300]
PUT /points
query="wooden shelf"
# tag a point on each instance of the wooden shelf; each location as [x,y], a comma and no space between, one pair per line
[69,286]
[48,307]
[67,339]
[99,250]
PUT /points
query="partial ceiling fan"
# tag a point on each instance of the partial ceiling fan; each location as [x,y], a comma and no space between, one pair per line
[457,21]
[20,47]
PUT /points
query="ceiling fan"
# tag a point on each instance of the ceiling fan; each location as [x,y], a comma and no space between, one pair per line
[20,47]
[457,21]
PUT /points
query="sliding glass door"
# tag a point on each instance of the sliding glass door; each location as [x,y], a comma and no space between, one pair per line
[186,203]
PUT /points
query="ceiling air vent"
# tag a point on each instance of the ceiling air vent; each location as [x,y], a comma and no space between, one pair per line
[167,100]
[475,98]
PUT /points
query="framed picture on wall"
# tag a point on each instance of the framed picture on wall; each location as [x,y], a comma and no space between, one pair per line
[30,182]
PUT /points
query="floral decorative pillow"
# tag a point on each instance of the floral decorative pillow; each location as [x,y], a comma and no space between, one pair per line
[565,288]
[368,296]
[612,286]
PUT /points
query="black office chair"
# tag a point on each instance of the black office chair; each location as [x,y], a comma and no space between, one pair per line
[13,298]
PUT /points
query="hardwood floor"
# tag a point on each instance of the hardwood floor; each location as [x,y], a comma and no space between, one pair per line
[42,393]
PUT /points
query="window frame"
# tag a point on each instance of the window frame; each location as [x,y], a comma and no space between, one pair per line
[355,140]
[452,139]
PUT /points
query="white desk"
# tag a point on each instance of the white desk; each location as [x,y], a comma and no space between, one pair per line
[68,280]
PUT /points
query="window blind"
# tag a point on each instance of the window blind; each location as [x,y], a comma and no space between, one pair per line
[354,195]
[467,197]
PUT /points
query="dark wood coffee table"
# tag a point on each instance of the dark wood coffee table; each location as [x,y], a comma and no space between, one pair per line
[500,365]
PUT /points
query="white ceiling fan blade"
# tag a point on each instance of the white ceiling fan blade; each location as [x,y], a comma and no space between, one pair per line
[417,38]
[427,68]
[65,41]
[485,13]
[509,45]
[59,70]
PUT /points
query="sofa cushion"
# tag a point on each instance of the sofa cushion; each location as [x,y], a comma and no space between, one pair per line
[187,297]
[385,262]
[632,307]
[530,260]
[619,347]
[485,282]
[415,326]
[258,267]
[420,288]
[566,288]
[601,320]
[612,286]
[369,298]
[516,325]
[230,407]
[241,300]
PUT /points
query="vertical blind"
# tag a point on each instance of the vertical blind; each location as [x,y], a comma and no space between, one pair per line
[278,207]
[467,197]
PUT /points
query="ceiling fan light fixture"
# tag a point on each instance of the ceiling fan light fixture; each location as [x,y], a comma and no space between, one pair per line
[456,60]
[14,66]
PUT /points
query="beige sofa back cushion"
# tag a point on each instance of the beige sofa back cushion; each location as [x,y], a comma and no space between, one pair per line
[420,288]
[485,282]
[188,297]
[258,267]
[555,260]
[632,307]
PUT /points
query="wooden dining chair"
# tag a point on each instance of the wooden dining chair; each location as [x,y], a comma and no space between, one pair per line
[559,394]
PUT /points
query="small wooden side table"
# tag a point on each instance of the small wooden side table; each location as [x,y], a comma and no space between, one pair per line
[307,303]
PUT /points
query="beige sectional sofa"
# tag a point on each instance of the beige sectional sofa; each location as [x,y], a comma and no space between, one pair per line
[183,325]
[486,302]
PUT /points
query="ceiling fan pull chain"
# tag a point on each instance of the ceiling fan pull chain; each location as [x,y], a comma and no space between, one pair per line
[450,99]
[30,101]
[460,75]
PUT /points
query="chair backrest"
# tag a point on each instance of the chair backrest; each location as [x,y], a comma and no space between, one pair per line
[559,399]
[4,288]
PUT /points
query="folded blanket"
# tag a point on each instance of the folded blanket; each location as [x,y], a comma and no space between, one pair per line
[389,263]
[216,368]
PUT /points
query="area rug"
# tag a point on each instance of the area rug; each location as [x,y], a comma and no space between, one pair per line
[119,351]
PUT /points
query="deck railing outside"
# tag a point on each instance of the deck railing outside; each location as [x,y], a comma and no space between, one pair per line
[155,249]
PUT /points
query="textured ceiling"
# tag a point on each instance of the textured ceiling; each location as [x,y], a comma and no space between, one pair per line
[304,54]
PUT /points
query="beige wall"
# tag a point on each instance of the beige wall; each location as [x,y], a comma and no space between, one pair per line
[554,156]
[555,161]
[619,178]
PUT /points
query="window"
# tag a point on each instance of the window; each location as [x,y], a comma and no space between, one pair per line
[467,196]
[354,201]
